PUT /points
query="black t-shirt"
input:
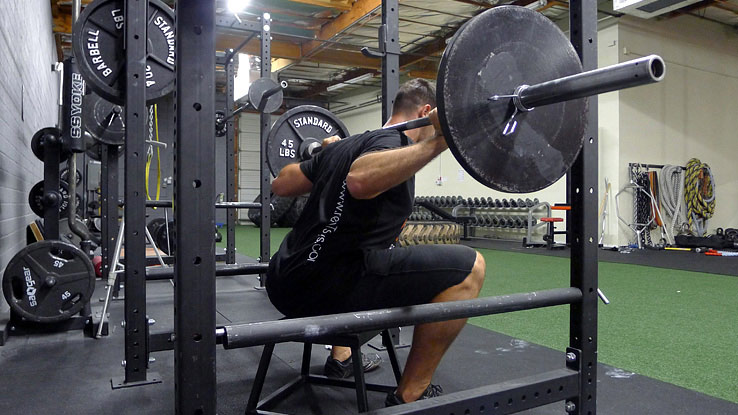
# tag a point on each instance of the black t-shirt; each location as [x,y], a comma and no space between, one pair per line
[325,249]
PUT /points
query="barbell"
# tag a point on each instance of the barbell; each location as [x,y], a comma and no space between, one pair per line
[511,98]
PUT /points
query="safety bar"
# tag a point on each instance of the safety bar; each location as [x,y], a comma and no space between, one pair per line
[234,336]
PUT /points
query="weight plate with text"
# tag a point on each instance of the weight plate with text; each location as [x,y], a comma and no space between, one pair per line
[98,43]
[492,54]
[290,134]
[48,281]
[36,198]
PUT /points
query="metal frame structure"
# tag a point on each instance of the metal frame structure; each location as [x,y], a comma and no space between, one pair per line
[194,187]
[196,334]
[136,320]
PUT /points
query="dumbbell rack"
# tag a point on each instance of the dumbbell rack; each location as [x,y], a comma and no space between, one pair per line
[503,219]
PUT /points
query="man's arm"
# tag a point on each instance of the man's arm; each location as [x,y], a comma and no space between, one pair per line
[291,182]
[376,172]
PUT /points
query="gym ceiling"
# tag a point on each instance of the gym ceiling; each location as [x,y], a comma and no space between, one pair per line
[316,43]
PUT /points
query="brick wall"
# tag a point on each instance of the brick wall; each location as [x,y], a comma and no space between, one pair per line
[28,102]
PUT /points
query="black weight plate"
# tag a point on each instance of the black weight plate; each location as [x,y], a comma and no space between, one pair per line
[64,175]
[36,198]
[48,281]
[104,120]
[37,143]
[492,54]
[154,225]
[160,239]
[257,90]
[295,126]
[98,39]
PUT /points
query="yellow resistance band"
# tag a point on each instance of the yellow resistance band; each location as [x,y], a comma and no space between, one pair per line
[158,159]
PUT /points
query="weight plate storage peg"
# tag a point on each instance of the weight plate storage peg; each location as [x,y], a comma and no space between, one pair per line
[298,132]
[39,140]
[38,200]
[104,120]
[48,281]
[98,43]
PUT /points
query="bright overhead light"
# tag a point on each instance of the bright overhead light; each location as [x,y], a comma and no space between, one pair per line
[237,6]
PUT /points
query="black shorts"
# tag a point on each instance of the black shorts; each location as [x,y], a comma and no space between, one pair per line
[395,277]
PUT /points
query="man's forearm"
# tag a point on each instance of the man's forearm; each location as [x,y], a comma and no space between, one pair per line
[375,173]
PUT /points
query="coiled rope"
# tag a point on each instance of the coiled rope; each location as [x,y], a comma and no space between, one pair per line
[671,189]
[699,187]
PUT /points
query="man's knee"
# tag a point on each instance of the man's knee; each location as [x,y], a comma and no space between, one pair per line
[478,272]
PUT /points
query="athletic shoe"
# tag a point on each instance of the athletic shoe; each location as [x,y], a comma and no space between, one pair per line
[336,369]
[430,392]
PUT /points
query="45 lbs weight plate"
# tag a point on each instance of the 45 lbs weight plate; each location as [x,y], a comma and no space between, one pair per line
[48,281]
[98,40]
[296,130]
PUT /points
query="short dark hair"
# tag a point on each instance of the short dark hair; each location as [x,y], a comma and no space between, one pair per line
[413,94]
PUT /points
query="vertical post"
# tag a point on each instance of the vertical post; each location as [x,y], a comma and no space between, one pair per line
[135,215]
[391,58]
[265,124]
[52,155]
[109,207]
[230,160]
[194,188]
[584,180]
[389,39]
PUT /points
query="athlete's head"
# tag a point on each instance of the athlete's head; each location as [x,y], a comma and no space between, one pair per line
[415,99]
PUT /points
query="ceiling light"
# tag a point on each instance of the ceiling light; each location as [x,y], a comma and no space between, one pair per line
[237,6]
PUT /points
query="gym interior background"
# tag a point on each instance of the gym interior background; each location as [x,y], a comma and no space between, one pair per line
[666,341]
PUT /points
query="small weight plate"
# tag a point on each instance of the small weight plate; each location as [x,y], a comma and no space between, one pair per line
[98,43]
[64,175]
[38,141]
[36,198]
[492,54]
[295,126]
[104,120]
[48,281]
[257,90]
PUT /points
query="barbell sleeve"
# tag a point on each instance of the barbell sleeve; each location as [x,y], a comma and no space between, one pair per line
[636,72]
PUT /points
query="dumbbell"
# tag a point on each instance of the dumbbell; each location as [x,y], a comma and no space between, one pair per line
[470,202]
[505,203]
[513,203]
[528,202]
[518,223]
[487,220]
[521,203]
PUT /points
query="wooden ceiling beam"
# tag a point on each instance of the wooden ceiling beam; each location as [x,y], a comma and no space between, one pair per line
[343,5]
[358,10]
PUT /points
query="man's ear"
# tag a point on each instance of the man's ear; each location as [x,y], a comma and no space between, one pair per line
[425,110]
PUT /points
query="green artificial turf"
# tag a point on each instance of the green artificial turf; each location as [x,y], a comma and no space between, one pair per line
[680,327]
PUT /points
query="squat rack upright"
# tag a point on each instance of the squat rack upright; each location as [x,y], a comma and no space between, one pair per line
[195,343]
[195,149]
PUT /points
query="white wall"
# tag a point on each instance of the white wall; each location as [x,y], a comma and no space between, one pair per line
[692,113]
